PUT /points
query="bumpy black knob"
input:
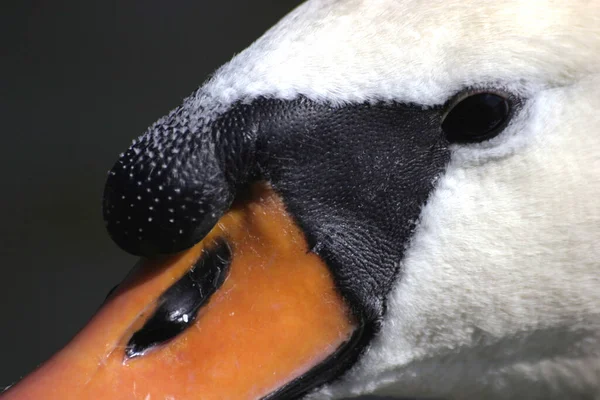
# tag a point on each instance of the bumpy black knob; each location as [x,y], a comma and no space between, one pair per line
[171,186]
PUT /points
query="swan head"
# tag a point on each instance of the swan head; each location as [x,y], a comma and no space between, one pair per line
[434,163]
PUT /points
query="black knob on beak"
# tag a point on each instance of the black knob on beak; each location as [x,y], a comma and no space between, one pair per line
[171,186]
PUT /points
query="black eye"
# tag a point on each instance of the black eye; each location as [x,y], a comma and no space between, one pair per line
[475,118]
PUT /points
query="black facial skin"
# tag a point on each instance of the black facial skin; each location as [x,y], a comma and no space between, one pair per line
[353,177]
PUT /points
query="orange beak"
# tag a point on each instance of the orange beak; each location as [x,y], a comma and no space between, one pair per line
[276,316]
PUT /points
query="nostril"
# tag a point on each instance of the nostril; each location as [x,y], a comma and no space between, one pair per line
[178,306]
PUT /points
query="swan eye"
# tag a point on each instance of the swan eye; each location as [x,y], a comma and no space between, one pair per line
[476,118]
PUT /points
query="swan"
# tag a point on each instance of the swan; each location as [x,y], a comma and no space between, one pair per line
[391,197]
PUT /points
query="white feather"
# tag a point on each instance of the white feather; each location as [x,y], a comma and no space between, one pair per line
[414,50]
